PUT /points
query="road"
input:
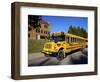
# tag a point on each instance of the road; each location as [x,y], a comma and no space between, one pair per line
[76,57]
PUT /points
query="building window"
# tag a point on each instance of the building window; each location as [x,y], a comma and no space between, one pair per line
[38,30]
[45,26]
[44,32]
[42,37]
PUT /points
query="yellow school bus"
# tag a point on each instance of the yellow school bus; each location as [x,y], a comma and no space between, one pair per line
[62,43]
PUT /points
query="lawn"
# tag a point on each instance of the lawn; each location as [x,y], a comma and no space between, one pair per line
[35,45]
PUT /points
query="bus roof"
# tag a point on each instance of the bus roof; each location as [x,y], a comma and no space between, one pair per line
[75,36]
[68,34]
[58,33]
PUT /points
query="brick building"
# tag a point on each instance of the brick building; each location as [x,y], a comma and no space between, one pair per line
[42,32]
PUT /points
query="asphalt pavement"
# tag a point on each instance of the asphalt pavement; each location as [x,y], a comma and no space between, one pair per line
[76,57]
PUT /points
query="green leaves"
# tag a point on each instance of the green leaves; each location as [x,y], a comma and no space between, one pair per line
[33,20]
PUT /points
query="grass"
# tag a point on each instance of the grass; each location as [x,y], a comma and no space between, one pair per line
[35,45]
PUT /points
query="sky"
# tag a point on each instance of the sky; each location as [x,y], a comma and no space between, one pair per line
[62,23]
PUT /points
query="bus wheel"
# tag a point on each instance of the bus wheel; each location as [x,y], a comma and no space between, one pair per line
[61,54]
[82,48]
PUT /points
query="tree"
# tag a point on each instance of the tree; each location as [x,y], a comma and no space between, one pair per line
[78,31]
[83,33]
[34,21]
[70,29]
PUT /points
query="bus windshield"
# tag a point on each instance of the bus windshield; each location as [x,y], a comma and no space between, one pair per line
[58,38]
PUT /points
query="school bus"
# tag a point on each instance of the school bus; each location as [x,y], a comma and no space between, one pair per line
[62,43]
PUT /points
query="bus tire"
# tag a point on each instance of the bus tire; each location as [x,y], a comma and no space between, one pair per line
[61,54]
[47,55]
[81,49]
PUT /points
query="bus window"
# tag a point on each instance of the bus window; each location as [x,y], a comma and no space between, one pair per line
[75,39]
[79,40]
[82,40]
[71,40]
[67,39]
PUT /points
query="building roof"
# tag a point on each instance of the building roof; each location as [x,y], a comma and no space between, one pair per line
[44,22]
